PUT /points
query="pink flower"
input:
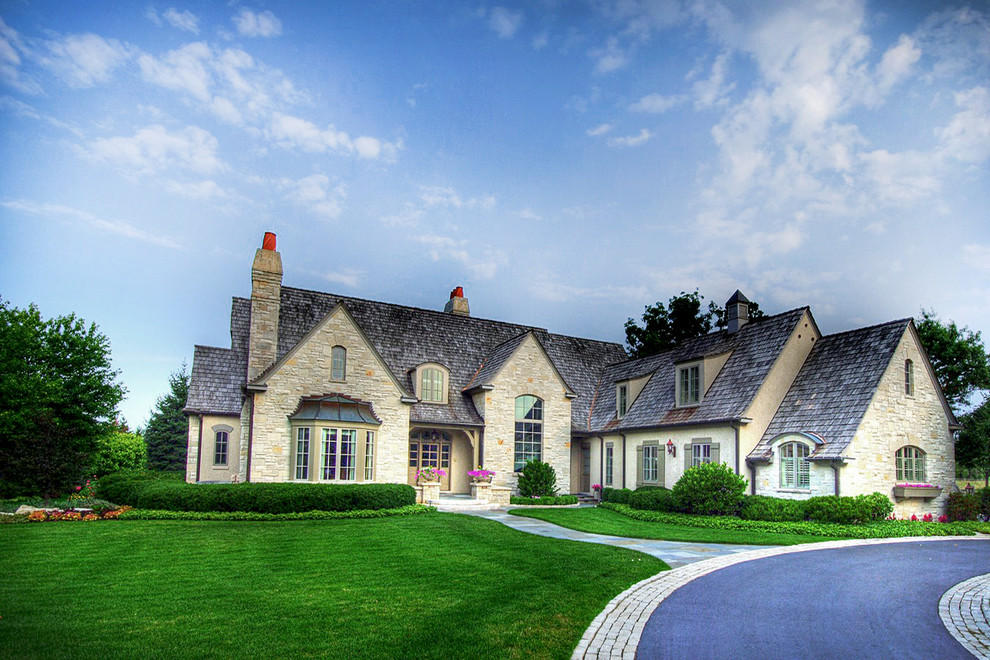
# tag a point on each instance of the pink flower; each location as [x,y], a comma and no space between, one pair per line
[78,487]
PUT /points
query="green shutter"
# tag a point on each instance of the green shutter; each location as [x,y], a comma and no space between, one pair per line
[639,467]
[714,453]
[660,462]
[688,456]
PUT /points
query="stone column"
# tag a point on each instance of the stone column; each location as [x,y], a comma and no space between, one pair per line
[431,492]
[481,490]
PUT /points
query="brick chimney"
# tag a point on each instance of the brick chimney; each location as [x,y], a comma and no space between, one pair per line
[736,312]
[457,304]
[266,287]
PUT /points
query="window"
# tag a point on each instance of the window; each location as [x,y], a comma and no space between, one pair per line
[689,385]
[431,388]
[650,461]
[910,465]
[413,454]
[795,471]
[608,463]
[529,430]
[369,456]
[220,448]
[338,454]
[338,363]
[622,400]
[302,453]
[701,452]
[909,377]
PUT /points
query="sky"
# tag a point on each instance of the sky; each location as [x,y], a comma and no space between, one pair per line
[567,163]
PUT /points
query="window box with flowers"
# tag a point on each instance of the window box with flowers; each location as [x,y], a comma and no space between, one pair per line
[481,475]
[923,491]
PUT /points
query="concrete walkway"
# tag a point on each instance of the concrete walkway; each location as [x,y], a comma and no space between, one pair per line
[675,553]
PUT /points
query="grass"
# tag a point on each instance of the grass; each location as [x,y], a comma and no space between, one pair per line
[603,521]
[420,586]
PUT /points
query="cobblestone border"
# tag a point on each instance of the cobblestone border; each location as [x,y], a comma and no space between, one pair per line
[965,611]
[615,633]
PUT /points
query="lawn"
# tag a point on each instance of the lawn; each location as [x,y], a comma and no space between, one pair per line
[604,521]
[437,585]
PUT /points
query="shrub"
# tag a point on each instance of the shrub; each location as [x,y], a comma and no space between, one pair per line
[560,500]
[963,506]
[710,489]
[151,514]
[538,479]
[118,451]
[985,503]
[858,509]
[166,494]
[771,509]
[617,495]
[654,499]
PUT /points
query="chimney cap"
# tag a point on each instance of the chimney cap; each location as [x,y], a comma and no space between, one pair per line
[458,292]
[269,241]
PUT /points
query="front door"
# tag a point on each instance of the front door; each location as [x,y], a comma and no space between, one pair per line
[426,451]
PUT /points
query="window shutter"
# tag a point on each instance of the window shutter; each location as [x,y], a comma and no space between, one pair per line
[661,453]
[714,453]
[639,467]
[688,456]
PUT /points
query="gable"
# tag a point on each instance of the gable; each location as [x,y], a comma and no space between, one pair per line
[525,354]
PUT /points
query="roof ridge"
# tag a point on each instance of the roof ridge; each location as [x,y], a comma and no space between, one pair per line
[903,321]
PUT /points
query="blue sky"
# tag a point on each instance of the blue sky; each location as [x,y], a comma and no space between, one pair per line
[567,163]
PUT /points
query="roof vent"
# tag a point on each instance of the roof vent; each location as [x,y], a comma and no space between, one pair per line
[736,312]
[457,304]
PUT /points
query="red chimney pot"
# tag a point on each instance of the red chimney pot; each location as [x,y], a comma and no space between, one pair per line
[458,292]
[269,242]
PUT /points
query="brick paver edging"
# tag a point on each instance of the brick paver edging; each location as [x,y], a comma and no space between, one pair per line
[615,633]
[965,611]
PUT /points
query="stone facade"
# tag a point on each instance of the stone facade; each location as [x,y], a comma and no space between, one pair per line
[821,476]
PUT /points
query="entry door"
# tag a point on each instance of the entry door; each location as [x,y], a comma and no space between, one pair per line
[585,468]
[430,454]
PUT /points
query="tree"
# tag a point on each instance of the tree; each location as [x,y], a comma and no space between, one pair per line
[167,429]
[119,450]
[666,326]
[957,356]
[973,446]
[58,395]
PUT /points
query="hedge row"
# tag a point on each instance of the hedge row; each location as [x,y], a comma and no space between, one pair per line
[549,500]
[876,529]
[967,506]
[145,493]
[158,514]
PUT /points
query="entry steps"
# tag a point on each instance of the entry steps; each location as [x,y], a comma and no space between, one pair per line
[461,504]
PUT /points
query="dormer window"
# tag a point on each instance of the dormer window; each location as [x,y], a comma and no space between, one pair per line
[689,384]
[431,383]
[622,400]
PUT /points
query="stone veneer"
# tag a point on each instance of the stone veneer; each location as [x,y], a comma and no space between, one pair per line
[528,371]
[305,371]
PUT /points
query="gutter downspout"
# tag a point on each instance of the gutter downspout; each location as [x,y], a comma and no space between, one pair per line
[247,471]
[835,465]
[199,447]
[623,436]
[735,428]
[752,481]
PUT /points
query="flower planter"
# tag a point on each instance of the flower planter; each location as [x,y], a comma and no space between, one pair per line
[922,492]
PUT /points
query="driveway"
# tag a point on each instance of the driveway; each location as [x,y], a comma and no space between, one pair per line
[868,601]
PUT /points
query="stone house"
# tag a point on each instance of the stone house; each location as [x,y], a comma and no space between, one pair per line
[318,387]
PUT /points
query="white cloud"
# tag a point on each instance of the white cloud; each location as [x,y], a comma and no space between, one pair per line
[154,149]
[12,47]
[657,103]
[967,136]
[641,138]
[601,129]
[206,189]
[183,20]
[899,178]
[448,197]
[348,277]
[408,217]
[444,247]
[111,226]
[897,62]
[503,22]
[713,90]
[183,70]
[529,214]
[262,24]
[315,193]
[82,60]
[540,41]
[551,290]
[610,57]
[977,256]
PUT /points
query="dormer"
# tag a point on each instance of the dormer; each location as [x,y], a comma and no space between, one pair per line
[626,392]
[694,377]
[431,381]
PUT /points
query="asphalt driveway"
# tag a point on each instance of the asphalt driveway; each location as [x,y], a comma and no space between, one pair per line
[871,601]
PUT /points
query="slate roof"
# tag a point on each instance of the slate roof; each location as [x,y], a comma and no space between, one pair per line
[406,337]
[834,388]
[754,348]
[218,374]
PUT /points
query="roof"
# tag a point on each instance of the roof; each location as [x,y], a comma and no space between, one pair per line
[407,337]
[754,350]
[218,374]
[834,388]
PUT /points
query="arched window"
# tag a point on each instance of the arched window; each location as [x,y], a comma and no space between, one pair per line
[909,377]
[910,462]
[220,448]
[338,359]
[529,430]
[432,388]
[795,471]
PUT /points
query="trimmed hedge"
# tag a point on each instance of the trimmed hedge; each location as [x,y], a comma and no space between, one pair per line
[158,514]
[141,492]
[876,529]
[858,509]
[617,495]
[559,500]
[654,499]
[967,506]
[710,489]
[771,509]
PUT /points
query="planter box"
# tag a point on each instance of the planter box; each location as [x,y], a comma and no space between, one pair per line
[923,493]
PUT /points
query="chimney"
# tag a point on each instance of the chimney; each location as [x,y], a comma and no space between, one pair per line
[736,312]
[457,304]
[266,286]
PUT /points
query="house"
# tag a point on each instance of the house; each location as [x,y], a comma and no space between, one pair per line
[318,387]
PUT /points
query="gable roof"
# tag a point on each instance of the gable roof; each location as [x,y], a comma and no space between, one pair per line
[834,388]
[218,374]
[503,353]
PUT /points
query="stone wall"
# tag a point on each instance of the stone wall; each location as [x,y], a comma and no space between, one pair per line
[306,372]
[528,371]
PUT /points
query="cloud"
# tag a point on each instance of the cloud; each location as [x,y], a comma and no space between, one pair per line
[206,189]
[262,24]
[551,290]
[897,62]
[444,247]
[154,149]
[713,90]
[540,41]
[111,226]
[315,193]
[291,132]
[184,70]
[448,197]
[611,57]
[977,256]
[528,214]
[22,109]
[408,217]
[657,103]
[182,20]
[601,129]
[82,60]
[503,22]
[967,135]
[348,277]
[12,48]
[643,137]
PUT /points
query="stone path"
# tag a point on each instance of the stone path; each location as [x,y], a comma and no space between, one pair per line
[965,611]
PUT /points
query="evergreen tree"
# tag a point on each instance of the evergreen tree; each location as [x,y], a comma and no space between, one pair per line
[167,429]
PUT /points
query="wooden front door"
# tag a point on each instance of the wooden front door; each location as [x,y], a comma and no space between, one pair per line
[427,452]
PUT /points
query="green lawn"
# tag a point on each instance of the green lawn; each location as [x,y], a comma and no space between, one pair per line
[604,521]
[443,586]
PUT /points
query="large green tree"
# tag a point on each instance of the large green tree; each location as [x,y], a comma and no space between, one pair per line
[58,396]
[167,428]
[684,317]
[973,446]
[957,356]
